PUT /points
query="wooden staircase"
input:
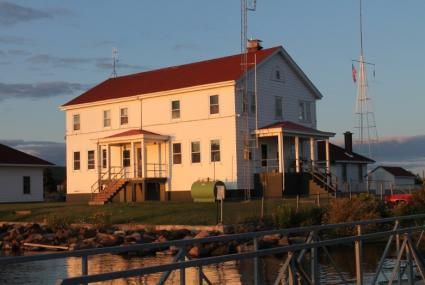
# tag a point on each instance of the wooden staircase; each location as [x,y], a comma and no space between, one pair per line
[320,182]
[104,196]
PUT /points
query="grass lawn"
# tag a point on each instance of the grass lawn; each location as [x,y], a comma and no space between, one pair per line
[153,213]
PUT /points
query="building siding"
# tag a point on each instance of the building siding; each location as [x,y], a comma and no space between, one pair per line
[11,181]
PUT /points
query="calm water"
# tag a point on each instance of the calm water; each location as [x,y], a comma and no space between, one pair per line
[235,272]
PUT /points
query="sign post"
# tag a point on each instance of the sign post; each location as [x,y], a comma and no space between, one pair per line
[221,193]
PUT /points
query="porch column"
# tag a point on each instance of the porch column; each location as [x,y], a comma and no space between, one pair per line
[133,159]
[328,163]
[281,157]
[99,166]
[170,165]
[297,154]
[109,161]
[312,153]
[143,152]
[159,159]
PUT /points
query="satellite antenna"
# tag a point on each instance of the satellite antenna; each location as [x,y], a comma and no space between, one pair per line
[114,62]
[367,131]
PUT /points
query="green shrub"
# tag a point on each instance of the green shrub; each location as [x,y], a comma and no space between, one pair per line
[100,219]
[283,216]
[58,222]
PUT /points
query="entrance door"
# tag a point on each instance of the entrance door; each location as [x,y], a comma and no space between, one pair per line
[139,162]
[126,161]
[152,191]
[264,155]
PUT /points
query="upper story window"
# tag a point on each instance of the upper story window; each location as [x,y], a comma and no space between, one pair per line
[124,116]
[27,184]
[76,160]
[214,104]
[177,153]
[253,103]
[175,109]
[76,122]
[196,152]
[304,111]
[106,118]
[278,111]
[90,159]
[215,150]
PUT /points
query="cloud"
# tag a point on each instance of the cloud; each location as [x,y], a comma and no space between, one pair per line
[12,40]
[38,90]
[106,63]
[56,61]
[11,14]
[18,52]
[50,151]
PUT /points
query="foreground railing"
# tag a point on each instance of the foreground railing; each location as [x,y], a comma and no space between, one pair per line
[292,269]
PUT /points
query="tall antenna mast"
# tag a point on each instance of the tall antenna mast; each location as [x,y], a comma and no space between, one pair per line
[367,132]
[114,62]
[246,6]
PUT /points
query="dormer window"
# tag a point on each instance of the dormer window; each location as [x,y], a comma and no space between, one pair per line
[277,74]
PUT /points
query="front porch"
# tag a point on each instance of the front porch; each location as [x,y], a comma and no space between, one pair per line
[134,161]
[287,160]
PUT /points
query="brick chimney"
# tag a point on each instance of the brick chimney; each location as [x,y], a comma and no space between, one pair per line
[254,45]
[348,139]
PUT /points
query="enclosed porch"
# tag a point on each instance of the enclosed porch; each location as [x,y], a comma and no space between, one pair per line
[287,159]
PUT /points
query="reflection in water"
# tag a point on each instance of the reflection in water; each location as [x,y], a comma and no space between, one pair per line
[230,273]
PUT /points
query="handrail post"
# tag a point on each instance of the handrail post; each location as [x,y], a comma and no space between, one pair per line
[200,278]
[256,281]
[409,262]
[84,265]
[359,254]
[314,262]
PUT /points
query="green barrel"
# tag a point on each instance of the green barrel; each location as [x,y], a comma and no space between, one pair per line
[205,191]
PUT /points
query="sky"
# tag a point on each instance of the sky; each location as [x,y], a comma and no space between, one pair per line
[51,51]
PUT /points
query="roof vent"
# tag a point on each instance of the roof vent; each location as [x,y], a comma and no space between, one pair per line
[254,45]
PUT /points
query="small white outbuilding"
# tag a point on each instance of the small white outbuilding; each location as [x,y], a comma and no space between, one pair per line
[21,176]
[391,177]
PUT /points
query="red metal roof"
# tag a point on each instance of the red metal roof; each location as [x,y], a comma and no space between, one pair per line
[133,133]
[291,126]
[397,171]
[10,155]
[337,153]
[193,74]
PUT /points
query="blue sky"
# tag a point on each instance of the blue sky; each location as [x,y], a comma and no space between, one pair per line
[51,51]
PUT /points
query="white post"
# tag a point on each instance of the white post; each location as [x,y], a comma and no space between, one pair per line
[159,159]
[328,162]
[98,165]
[109,161]
[143,153]
[297,154]
[312,153]
[281,157]
[133,158]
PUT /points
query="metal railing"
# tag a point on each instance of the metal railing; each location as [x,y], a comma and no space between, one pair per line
[292,267]
[114,176]
[156,170]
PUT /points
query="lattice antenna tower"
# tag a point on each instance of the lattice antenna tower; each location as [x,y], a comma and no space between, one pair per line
[366,128]
[246,7]
[114,62]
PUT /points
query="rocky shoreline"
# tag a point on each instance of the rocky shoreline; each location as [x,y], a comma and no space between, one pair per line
[18,238]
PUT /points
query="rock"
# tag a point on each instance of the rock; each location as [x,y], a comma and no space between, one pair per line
[178,234]
[108,239]
[88,233]
[119,233]
[244,247]
[34,238]
[134,237]
[198,251]
[283,241]
[147,237]
[220,250]
[88,243]
[202,234]
[161,238]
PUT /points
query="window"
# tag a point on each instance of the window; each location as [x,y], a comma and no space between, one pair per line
[360,166]
[278,107]
[76,122]
[104,159]
[264,152]
[90,159]
[175,109]
[27,184]
[277,75]
[106,118]
[344,172]
[215,150]
[304,111]
[124,116]
[126,158]
[76,160]
[253,102]
[196,152]
[214,107]
[177,153]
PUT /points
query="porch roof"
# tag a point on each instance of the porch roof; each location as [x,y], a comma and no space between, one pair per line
[289,127]
[134,134]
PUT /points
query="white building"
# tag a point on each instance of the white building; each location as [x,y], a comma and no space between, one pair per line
[21,176]
[155,133]
[348,168]
[391,178]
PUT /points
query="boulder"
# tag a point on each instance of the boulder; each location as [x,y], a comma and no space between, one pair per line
[108,239]
[134,237]
[202,234]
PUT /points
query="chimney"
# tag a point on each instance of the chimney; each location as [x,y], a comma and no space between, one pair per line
[253,45]
[348,139]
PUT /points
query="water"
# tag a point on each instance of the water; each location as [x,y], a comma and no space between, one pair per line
[234,272]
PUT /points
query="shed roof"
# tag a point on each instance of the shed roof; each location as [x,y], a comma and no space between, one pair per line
[397,171]
[12,156]
[337,153]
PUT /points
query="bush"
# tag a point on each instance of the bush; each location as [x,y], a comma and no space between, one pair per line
[283,216]
[286,217]
[413,207]
[100,220]
[360,208]
[58,222]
